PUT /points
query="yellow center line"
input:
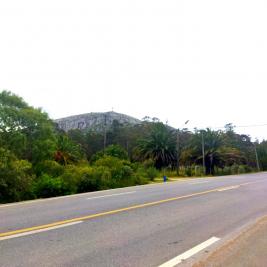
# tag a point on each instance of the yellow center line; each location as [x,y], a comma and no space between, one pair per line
[92,216]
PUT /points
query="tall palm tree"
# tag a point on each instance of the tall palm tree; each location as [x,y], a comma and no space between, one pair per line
[159,145]
[217,152]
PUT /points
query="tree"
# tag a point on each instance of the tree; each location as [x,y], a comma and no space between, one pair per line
[24,130]
[112,151]
[159,145]
[95,143]
[16,177]
[241,143]
[219,152]
[67,151]
[212,145]
[262,153]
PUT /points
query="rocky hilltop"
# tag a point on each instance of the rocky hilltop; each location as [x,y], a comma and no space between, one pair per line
[94,121]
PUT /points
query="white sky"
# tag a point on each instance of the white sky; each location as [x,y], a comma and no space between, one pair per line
[176,60]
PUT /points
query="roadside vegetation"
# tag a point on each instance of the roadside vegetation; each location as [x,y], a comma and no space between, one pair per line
[39,160]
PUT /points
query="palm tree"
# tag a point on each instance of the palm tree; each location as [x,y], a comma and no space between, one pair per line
[159,145]
[67,152]
[217,152]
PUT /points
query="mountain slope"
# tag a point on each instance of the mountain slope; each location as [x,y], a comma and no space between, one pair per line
[94,121]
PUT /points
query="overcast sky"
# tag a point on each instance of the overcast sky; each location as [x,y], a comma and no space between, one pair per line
[203,61]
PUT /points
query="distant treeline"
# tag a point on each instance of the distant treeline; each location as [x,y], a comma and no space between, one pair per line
[38,160]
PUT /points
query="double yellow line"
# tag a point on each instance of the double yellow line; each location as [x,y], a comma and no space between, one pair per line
[88,217]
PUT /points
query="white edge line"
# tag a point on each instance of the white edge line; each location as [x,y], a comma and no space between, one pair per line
[119,194]
[228,188]
[39,231]
[201,182]
[186,255]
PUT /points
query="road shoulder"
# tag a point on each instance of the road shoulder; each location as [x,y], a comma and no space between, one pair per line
[248,248]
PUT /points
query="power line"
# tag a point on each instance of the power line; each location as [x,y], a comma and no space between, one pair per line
[243,126]
[248,126]
[234,126]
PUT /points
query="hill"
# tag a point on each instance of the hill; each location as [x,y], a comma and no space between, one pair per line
[95,121]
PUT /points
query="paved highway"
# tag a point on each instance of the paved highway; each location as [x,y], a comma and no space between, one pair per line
[152,225]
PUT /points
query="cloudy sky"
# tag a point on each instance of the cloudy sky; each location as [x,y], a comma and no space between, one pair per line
[203,61]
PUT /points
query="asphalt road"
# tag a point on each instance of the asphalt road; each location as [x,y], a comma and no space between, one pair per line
[135,226]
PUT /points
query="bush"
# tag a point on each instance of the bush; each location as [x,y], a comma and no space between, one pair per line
[73,175]
[123,173]
[16,177]
[188,171]
[98,178]
[115,151]
[242,169]
[120,169]
[149,163]
[47,186]
[234,169]
[226,170]
[50,167]
[151,173]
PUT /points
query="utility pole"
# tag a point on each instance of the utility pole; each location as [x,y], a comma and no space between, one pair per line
[257,158]
[203,152]
[105,133]
[178,152]
[178,148]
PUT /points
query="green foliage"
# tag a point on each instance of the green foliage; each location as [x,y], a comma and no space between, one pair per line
[218,151]
[95,143]
[50,167]
[37,159]
[47,186]
[113,151]
[67,152]
[16,177]
[262,153]
[148,163]
[72,176]
[25,131]
[151,173]
[159,145]
[234,169]
[120,169]
[95,179]
[212,144]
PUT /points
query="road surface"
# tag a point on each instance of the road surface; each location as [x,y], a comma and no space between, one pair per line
[152,225]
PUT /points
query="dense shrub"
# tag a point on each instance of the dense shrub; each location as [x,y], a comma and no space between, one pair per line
[120,169]
[115,151]
[50,167]
[98,178]
[123,173]
[151,173]
[234,169]
[73,175]
[47,186]
[149,163]
[16,177]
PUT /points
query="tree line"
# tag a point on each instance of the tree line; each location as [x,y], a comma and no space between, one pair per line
[38,159]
